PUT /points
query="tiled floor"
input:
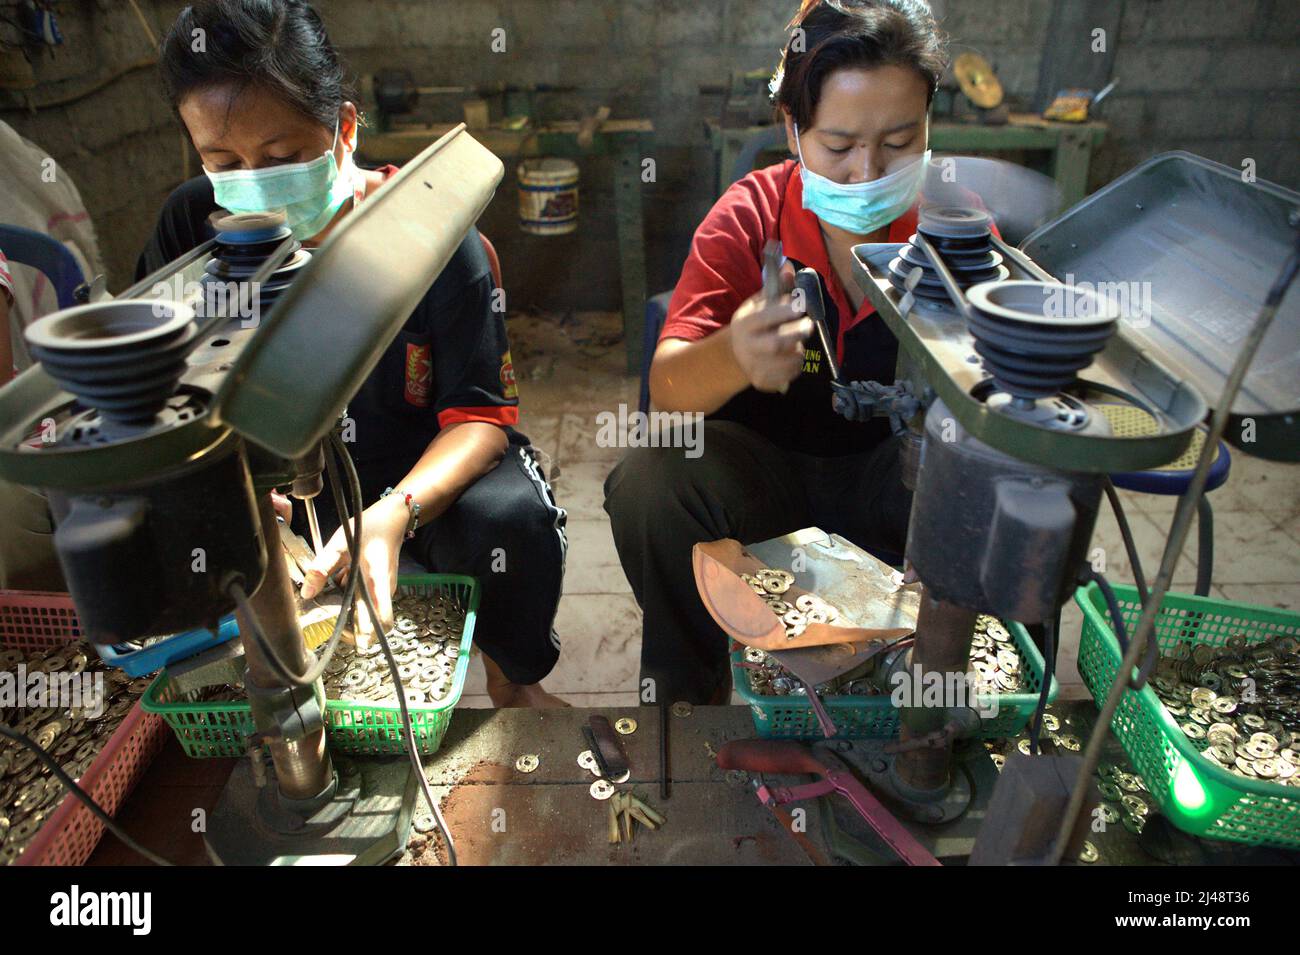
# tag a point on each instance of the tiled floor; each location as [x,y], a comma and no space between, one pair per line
[564,384]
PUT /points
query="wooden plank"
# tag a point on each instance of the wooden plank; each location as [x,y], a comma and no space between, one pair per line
[555,139]
[478,738]
[500,816]
[705,824]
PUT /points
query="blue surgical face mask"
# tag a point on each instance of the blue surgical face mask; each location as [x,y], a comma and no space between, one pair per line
[310,193]
[860,207]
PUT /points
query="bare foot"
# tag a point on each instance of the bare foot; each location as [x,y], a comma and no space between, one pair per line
[524,695]
[504,693]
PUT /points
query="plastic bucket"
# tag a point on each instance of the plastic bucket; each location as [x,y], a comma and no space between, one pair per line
[548,196]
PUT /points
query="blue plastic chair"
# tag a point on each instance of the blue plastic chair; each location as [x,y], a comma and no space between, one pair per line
[46,254]
[656,313]
[1172,479]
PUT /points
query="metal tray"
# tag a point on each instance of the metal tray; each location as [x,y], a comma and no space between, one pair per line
[1206,247]
[936,347]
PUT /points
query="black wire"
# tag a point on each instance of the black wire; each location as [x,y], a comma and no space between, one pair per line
[1112,604]
[354,483]
[1121,632]
[282,669]
[268,651]
[71,784]
[1049,671]
[352,534]
[970,781]
[1130,546]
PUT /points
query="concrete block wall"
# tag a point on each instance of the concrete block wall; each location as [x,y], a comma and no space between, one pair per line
[120,145]
[1215,78]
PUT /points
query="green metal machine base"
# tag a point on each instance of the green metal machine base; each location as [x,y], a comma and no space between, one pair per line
[366,822]
[947,827]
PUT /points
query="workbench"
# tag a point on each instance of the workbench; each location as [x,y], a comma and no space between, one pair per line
[1069,145]
[622,139]
[499,815]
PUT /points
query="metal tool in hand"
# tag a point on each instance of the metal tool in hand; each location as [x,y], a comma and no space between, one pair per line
[781,757]
[772,260]
[809,285]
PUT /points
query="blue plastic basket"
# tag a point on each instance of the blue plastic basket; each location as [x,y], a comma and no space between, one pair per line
[168,650]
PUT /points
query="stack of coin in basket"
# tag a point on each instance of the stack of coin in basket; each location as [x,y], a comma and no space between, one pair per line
[772,584]
[769,678]
[994,660]
[995,663]
[74,732]
[426,645]
[1240,703]
[425,639]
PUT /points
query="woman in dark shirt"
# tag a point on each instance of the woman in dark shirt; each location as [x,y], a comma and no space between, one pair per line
[263,96]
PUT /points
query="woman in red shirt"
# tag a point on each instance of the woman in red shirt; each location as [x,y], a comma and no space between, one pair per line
[853,90]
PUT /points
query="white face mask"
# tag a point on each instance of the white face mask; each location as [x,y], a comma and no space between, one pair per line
[860,207]
[310,193]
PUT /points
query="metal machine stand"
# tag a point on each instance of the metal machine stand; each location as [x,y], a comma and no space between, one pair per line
[159,471]
[359,814]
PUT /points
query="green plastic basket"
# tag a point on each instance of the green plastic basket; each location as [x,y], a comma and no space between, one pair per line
[207,729]
[876,717]
[1194,794]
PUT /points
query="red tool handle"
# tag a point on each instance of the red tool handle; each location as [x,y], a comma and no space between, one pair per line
[768,756]
[781,757]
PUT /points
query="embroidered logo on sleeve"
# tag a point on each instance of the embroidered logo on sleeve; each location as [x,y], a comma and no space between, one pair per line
[508,387]
[419,375]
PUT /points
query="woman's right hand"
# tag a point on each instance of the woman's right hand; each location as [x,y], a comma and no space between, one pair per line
[767,338]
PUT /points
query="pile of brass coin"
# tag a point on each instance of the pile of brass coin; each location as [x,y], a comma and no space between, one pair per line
[1239,703]
[74,735]
[994,659]
[1054,735]
[1124,798]
[772,584]
[769,678]
[995,662]
[426,645]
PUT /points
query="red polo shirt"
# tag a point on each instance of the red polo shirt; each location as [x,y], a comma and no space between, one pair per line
[725,267]
[725,264]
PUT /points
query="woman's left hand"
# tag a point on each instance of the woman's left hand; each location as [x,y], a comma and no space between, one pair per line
[383,527]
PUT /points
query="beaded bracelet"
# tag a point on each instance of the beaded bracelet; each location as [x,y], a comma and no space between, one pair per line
[411,505]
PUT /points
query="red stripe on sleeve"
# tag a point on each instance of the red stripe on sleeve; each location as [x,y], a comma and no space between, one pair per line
[492,414]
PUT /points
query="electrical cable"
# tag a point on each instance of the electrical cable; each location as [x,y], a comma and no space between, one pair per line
[282,669]
[87,800]
[1112,604]
[1126,532]
[352,534]
[1049,672]
[354,483]
[141,64]
[1187,504]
